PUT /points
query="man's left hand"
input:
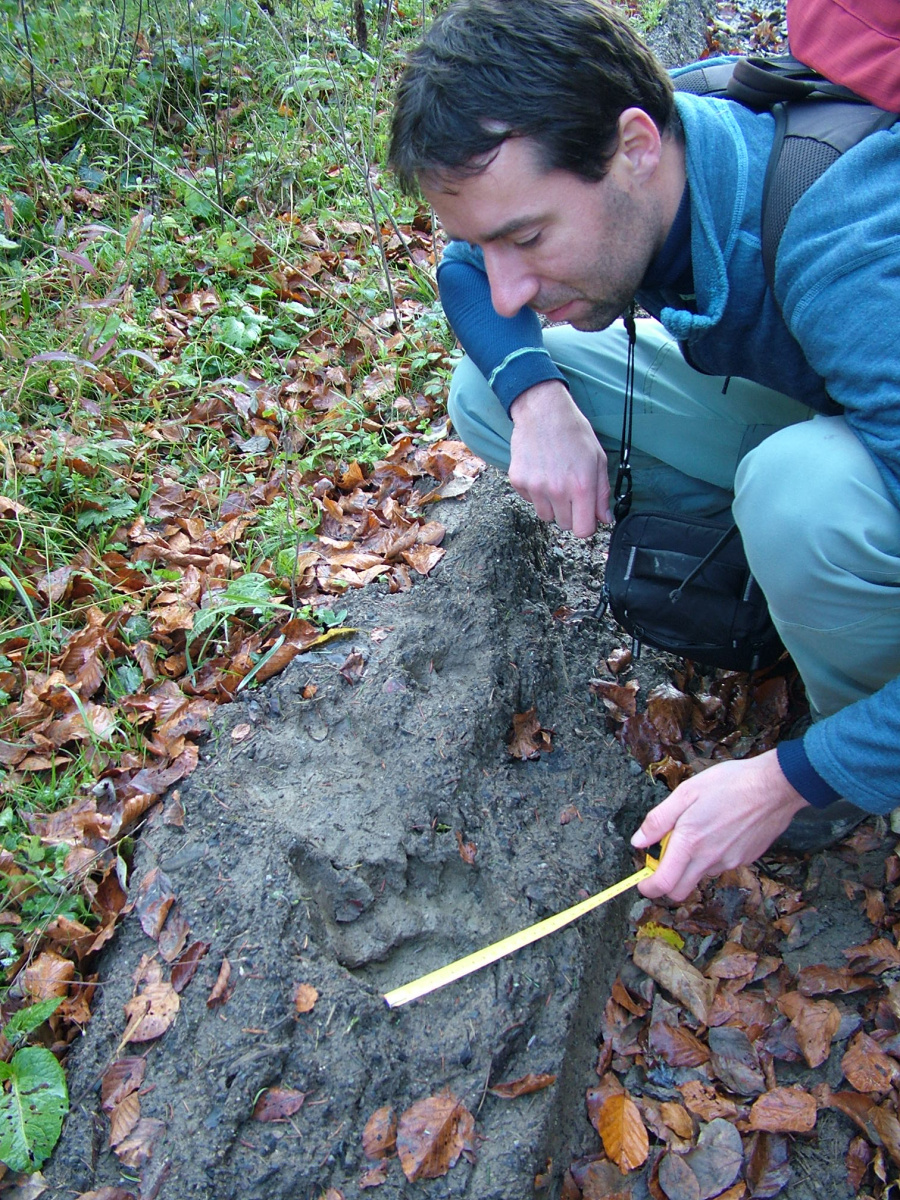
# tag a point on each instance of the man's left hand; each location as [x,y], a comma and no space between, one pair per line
[722,818]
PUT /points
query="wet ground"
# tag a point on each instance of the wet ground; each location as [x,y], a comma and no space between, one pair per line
[322,848]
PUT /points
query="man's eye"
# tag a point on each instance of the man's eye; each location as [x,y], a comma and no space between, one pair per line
[532,241]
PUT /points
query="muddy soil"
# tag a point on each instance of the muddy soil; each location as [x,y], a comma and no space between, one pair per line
[323,849]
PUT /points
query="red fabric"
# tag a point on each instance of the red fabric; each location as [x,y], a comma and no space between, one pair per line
[852,42]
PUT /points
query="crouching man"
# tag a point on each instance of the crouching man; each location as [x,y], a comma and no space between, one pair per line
[571,180]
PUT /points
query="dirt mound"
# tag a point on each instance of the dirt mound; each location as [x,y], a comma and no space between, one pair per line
[322,848]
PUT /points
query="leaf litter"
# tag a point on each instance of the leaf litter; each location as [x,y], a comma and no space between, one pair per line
[709,1009]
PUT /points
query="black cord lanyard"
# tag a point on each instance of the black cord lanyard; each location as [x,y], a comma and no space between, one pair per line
[623,475]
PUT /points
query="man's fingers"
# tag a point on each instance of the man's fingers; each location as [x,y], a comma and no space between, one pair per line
[604,513]
[584,514]
[675,876]
[658,822]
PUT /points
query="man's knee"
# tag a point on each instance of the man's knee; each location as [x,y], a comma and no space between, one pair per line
[811,504]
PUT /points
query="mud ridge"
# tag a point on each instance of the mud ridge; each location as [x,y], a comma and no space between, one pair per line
[323,849]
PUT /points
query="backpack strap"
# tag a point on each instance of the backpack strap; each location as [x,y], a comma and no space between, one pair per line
[761,83]
[816,121]
[809,137]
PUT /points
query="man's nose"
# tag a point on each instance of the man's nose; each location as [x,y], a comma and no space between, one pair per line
[512,287]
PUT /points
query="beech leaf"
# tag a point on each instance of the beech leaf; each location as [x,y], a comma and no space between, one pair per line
[137,1149]
[672,971]
[717,1158]
[305,997]
[676,1045]
[153,900]
[705,1101]
[220,989]
[522,1087]
[432,1134]
[815,1022]
[277,1104]
[734,1061]
[379,1137]
[784,1110]
[677,1179]
[623,1132]
[150,1012]
[867,1068]
[767,1170]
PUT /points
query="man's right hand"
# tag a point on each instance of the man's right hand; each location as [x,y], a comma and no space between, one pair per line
[556,461]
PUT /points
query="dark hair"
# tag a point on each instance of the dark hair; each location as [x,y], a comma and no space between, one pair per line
[557,71]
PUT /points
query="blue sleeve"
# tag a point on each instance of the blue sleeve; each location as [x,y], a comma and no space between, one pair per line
[855,750]
[508,351]
[802,775]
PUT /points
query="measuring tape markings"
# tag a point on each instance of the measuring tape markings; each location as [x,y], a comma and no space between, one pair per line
[490,954]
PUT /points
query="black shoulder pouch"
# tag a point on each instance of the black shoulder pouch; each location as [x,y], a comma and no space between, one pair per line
[683,584]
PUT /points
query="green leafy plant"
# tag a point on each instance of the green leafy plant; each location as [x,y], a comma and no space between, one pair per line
[33,1094]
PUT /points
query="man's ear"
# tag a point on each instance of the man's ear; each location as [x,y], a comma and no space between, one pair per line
[640,144]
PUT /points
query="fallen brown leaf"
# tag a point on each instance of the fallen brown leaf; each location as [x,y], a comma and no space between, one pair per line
[734,1061]
[528,739]
[820,980]
[49,975]
[137,1149]
[676,1045]
[150,1013]
[305,997]
[623,1132]
[603,1181]
[375,1176]
[705,1101]
[153,900]
[379,1137]
[815,1023]
[174,935]
[867,1068]
[120,1079]
[220,990]
[767,1168]
[676,1178]
[620,699]
[123,1119]
[716,1161]
[277,1104]
[858,1159]
[672,971]
[432,1134]
[522,1087]
[876,956]
[186,966]
[619,659]
[353,667]
[669,709]
[784,1110]
[732,962]
[884,1119]
[467,850]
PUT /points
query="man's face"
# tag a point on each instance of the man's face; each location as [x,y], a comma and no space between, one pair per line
[569,248]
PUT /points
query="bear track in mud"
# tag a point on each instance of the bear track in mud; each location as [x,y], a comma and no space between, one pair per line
[322,849]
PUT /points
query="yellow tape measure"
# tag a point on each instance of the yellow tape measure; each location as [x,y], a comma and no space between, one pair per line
[483,958]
